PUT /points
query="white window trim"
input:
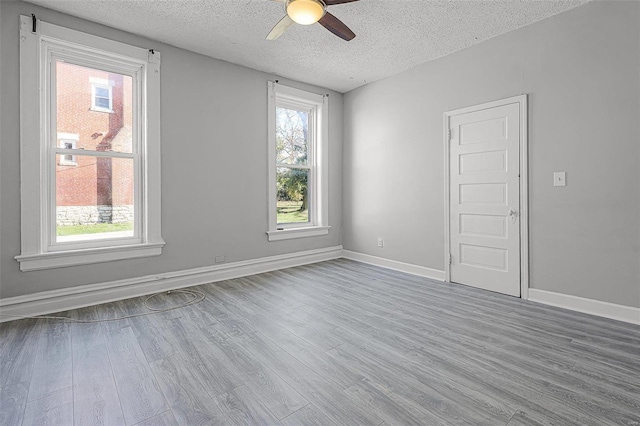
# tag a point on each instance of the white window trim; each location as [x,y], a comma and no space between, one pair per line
[64,138]
[35,163]
[318,198]
[95,107]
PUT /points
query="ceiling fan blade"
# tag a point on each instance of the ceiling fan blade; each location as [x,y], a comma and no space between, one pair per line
[280,28]
[336,26]
[332,2]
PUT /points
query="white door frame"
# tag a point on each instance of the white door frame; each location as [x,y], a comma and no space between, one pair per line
[521,100]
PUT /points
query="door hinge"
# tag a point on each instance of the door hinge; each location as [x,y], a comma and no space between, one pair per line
[450,259]
[449,134]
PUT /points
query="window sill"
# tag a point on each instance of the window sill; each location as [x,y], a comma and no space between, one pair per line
[96,109]
[61,259]
[290,233]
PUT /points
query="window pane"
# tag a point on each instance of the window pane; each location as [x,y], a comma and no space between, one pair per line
[102,103]
[101,92]
[96,131]
[94,199]
[292,195]
[292,136]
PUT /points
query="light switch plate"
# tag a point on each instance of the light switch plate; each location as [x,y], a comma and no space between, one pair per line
[559,179]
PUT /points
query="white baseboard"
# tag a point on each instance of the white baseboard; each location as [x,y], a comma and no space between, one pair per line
[77,297]
[395,265]
[47,302]
[587,306]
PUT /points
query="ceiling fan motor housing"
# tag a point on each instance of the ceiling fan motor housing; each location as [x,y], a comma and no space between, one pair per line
[305,12]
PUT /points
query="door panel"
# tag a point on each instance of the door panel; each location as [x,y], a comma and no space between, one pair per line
[483,193]
[485,198]
[479,162]
[483,130]
[484,257]
[483,225]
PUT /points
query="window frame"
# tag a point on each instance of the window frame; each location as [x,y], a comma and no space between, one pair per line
[38,54]
[311,110]
[52,53]
[317,155]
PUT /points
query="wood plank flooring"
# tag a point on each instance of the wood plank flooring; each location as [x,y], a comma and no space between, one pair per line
[333,343]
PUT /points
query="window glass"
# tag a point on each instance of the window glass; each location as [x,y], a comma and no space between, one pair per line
[292,136]
[94,200]
[74,114]
[292,186]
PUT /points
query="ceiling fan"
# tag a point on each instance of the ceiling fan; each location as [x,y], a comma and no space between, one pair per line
[307,12]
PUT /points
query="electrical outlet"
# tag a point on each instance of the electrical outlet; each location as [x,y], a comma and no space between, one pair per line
[380,242]
[559,179]
[220,259]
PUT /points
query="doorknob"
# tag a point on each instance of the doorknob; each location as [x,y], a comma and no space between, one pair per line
[513,214]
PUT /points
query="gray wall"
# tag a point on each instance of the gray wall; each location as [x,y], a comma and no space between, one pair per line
[582,71]
[0,145]
[214,164]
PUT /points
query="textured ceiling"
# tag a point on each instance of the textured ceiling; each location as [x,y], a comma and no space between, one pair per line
[391,35]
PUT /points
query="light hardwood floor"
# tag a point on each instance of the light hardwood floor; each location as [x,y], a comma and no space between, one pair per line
[334,343]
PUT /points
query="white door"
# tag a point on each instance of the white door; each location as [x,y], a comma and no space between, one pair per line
[484,197]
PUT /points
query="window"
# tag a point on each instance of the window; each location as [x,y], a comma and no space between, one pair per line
[297,163]
[106,207]
[68,142]
[68,159]
[101,97]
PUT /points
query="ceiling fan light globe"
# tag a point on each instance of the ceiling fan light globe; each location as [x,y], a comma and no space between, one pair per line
[305,12]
